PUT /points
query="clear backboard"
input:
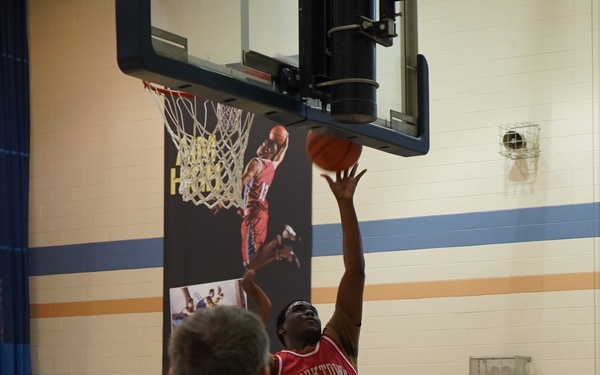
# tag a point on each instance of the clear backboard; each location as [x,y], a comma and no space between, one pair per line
[354,73]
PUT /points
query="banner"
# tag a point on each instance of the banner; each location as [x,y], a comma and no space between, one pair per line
[203,252]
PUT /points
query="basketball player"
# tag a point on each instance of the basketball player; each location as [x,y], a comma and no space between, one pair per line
[210,300]
[256,181]
[335,349]
[221,341]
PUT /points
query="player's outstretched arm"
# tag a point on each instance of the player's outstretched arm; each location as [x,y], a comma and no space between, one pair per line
[350,290]
[257,295]
[282,150]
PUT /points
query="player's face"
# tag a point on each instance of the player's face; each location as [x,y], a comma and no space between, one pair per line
[302,319]
[266,150]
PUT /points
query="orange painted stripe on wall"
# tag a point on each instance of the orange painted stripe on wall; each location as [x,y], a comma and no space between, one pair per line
[380,292]
[468,287]
[104,307]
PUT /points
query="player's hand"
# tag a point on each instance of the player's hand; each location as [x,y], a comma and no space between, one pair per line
[345,183]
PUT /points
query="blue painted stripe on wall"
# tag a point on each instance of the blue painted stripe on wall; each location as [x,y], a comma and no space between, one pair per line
[99,256]
[468,229]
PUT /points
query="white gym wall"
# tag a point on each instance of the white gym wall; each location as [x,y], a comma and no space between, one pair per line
[97,185]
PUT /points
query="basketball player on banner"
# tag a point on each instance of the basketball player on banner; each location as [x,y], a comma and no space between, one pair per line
[257,178]
[308,350]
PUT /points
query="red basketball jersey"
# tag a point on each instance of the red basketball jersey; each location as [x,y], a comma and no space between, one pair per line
[255,191]
[324,359]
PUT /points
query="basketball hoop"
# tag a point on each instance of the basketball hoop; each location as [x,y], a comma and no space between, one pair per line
[210,152]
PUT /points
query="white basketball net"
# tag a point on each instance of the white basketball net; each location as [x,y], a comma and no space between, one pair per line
[210,156]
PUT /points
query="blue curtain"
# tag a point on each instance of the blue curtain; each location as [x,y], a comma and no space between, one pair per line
[15,354]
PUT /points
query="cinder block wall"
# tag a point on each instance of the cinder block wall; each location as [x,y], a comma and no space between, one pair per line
[468,253]
[96,188]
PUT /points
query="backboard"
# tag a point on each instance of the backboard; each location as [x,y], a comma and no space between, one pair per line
[288,61]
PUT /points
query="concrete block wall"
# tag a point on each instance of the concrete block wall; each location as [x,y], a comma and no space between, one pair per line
[468,253]
[96,181]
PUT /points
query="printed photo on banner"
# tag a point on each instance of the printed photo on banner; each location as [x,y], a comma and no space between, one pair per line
[186,300]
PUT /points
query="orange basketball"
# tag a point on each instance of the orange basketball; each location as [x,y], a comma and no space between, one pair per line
[278,134]
[330,153]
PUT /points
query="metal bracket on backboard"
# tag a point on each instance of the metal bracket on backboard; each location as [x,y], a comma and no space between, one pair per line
[169,44]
